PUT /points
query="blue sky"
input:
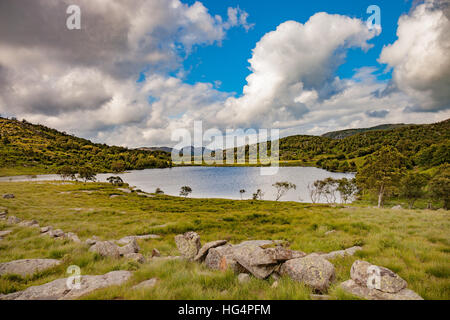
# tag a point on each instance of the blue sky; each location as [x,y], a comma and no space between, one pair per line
[229,63]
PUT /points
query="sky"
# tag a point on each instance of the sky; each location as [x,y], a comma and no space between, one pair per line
[139,70]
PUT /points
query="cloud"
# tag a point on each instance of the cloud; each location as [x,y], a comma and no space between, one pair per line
[377,114]
[292,67]
[420,58]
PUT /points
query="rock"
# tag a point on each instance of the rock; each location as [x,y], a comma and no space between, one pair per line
[92,241]
[5,233]
[204,250]
[132,247]
[275,285]
[27,267]
[188,244]
[330,232]
[72,236]
[389,281]
[399,207]
[314,271]
[243,278]
[58,233]
[29,223]
[280,254]
[124,190]
[46,229]
[114,196]
[128,239]
[106,249]
[255,260]
[58,289]
[148,284]
[156,253]
[320,297]
[341,253]
[222,258]
[137,257]
[13,220]
[350,286]
[261,243]
[8,196]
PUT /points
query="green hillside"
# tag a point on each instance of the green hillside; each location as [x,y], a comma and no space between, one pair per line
[350,132]
[27,148]
[425,146]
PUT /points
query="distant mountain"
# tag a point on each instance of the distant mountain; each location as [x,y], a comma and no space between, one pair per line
[342,134]
[186,150]
[153,149]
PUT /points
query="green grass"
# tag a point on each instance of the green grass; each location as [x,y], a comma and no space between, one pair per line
[413,243]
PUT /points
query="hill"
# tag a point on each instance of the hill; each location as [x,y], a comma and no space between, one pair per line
[29,148]
[425,146]
[350,132]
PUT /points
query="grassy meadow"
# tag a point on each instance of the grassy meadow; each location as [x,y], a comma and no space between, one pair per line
[413,243]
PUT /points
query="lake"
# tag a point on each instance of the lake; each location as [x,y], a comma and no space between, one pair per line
[217,182]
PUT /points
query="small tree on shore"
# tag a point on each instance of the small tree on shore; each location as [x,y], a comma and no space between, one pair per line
[382,172]
[347,189]
[283,188]
[258,195]
[412,187]
[185,191]
[67,172]
[87,174]
[159,191]
[115,181]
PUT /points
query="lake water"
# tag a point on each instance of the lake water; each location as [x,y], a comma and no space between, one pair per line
[217,182]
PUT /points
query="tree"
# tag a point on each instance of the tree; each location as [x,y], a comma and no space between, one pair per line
[412,187]
[258,195]
[282,188]
[185,191]
[382,172]
[242,192]
[347,189]
[440,186]
[87,174]
[116,181]
[159,191]
[67,172]
[118,166]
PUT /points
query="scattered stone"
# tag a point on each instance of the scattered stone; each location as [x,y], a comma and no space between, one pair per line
[5,233]
[204,250]
[137,257]
[275,284]
[114,196]
[399,207]
[106,249]
[72,236]
[320,297]
[46,229]
[124,190]
[13,220]
[330,232]
[92,241]
[188,244]
[131,247]
[255,260]
[27,267]
[58,233]
[58,289]
[350,286]
[148,284]
[261,243]
[128,239]
[156,253]
[29,223]
[341,253]
[389,281]
[142,194]
[8,196]
[243,278]
[314,271]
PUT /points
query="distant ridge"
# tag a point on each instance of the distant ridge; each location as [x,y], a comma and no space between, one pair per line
[342,134]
